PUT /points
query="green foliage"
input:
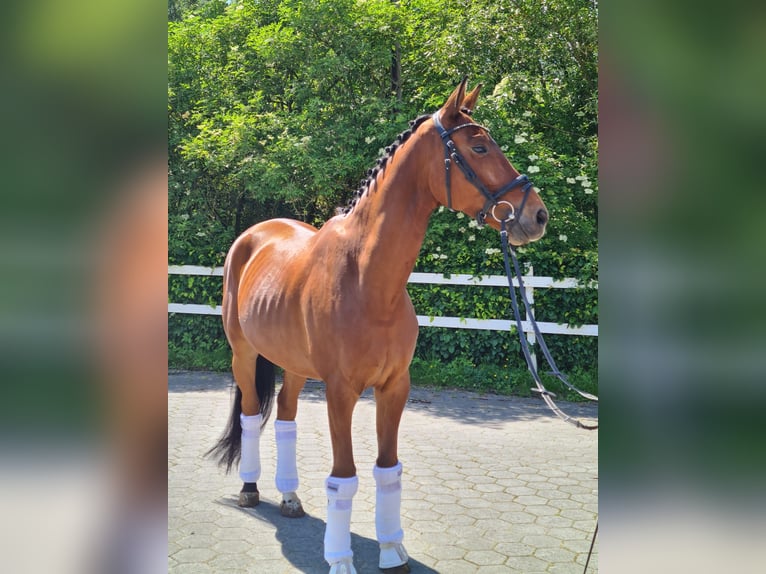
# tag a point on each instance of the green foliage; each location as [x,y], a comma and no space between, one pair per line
[462,373]
[277,108]
[197,342]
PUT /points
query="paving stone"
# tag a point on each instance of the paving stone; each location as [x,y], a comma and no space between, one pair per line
[555,555]
[541,541]
[526,564]
[484,557]
[491,484]
[515,549]
[455,567]
[193,555]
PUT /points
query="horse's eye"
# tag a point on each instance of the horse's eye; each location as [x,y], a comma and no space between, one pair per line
[480,149]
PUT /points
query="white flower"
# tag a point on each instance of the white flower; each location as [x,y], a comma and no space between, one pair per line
[588,191]
[184,216]
[520,139]
[369,140]
[527,114]
[580,177]
[571,180]
[438,248]
[533,157]
[563,237]
[471,238]
[460,215]
[443,256]
[461,229]
[585,183]
[441,209]
[533,169]
[201,234]
[473,223]
[491,250]
[504,147]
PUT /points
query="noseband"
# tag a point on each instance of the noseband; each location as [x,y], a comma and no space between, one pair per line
[452,155]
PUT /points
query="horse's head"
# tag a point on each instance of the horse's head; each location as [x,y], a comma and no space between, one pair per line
[480,181]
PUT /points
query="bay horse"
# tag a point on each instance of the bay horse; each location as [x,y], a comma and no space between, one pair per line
[332,304]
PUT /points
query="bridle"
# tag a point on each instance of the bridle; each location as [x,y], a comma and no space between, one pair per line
[452,155]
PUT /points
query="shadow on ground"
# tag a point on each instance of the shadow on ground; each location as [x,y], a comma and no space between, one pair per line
[463,406]
[302,541]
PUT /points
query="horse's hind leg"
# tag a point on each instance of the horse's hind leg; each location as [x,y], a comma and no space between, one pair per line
[254,376]
[389,405]
[286,434]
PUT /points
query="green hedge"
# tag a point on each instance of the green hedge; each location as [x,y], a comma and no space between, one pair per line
[277,109]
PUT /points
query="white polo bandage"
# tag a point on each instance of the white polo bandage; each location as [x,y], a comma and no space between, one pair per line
[287,470]
[388,502]
[337,535]
[250,461]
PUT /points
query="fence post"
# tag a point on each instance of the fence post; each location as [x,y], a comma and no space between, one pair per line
[530,292]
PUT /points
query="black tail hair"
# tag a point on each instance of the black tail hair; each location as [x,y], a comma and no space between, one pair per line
[229,447]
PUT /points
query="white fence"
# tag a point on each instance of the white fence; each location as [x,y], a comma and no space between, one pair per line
[531,283]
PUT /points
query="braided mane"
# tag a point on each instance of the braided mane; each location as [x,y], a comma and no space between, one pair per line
[364,184]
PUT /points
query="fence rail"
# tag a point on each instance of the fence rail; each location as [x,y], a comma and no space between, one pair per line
[531,282]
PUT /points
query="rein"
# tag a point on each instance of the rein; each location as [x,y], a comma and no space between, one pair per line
[452,155]
[509,253]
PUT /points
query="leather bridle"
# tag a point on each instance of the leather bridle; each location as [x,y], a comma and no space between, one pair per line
[493,199]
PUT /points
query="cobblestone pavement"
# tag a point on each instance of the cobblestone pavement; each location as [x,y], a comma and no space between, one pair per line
[490,484]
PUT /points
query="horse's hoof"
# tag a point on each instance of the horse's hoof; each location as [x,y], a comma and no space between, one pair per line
[248,499]
[393,558]
[291,506]
[345,566]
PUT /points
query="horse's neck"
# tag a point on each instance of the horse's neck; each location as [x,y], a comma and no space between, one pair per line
[391,220]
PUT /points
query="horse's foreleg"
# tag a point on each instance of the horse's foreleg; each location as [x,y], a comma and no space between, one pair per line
[389,405]
[286,432]
[342,484]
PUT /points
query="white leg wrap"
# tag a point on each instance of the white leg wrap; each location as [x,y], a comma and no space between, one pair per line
[337,535]
[250,462]
[388,503]
[287,470]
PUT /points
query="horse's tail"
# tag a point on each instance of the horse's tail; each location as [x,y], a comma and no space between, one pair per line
[229,447]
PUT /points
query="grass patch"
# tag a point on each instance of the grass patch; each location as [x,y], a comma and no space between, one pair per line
[217,359]
[464,375]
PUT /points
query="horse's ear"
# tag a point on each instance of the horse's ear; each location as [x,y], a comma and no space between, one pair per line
[470,100]
[453,104]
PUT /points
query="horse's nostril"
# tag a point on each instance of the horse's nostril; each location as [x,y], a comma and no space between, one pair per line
[542,217]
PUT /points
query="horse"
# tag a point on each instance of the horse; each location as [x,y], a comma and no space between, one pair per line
[331,304]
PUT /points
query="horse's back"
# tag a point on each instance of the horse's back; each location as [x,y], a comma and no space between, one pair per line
[283,235]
